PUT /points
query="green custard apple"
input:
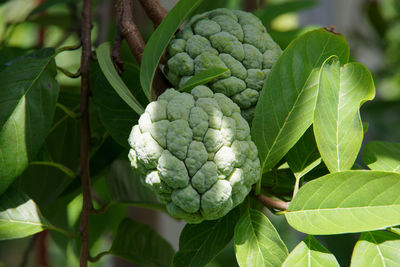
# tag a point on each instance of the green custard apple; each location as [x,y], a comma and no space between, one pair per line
[231,39]
[194,151]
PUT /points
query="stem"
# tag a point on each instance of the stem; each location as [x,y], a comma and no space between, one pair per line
[85,130]
[27,251]
[99,256]
[61,167]
[67,110]
[69,74]
[154,11]
[67,48]
[271,202]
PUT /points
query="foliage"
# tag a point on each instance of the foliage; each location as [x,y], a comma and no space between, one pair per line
[308,128]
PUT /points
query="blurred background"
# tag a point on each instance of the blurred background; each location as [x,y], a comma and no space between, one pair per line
[371,27]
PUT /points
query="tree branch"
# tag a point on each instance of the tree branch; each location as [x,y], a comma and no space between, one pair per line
[271,202]
[129,30]
[131,34]
[85,129]
[154,10]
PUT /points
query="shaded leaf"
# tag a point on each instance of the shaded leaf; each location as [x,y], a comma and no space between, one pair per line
[337,124]
[200,243]
[140,244]
[304,156]
[346,202]
[124,186]
[279,181]
[109,71]
[202,78]
[257,243]
[379,248]
[382,156]
[160,38]
[285,108]
[310,253]
[115,114]
[19,216]
[50,3]
[28,96]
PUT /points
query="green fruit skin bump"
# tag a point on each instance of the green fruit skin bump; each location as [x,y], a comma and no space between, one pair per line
[194,151]
[231,39]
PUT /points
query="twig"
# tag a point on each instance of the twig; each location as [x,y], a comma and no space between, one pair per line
[68,73]
[116,51]
[154,10]
[85,130]
[271,202]
[129,30]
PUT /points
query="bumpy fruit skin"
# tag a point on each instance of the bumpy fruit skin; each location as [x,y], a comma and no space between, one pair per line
[194,151]
[231,39]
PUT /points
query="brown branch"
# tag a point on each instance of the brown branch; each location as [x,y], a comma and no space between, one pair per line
[129,30]
[154,10]
[131,34]
[85,130]
[116,51]
[271,202]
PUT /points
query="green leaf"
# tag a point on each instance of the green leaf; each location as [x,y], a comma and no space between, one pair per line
[200,243]
[124,186]
[272,11]
[116,115]
[346,202]
[285,108]
[257,243]
[140,244]
[382,156]
[310,253]
[379,248]
[61,146]
[279,181]
[304,156]
[106,65]
[338,127]
[159,40]
[28,96]
[19,216]
[202,78]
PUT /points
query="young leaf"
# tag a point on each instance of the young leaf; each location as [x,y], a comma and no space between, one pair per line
[200,243]
[304,156]
[337,124]
[257,243]
[346,202]
[379,248]
[202,78]
[19,216]
[382,156]
[140,244]
[310,253]
[160,39]
[106,65]
[28,96]
[285,108]
[116,115]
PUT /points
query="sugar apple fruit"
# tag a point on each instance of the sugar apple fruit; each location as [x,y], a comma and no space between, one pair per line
[194,151]
[231,39]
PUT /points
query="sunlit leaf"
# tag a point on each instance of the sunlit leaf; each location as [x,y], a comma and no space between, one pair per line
[285,108]
[382,156]
[257,243]
[310,253]
[379,248]
[338,127]
[346,202]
